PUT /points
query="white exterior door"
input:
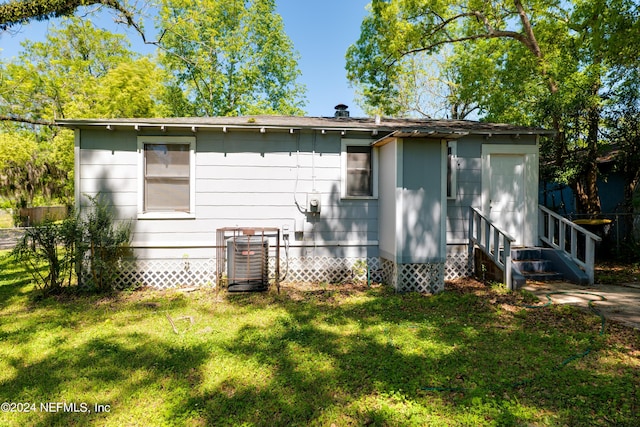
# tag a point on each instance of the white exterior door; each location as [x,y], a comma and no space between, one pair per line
[510,189]
[507,192]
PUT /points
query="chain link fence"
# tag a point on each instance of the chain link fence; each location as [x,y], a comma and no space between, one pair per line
[620,234]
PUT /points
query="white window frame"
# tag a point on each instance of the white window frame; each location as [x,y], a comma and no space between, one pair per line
[185,140]
[374,166]
[453,145]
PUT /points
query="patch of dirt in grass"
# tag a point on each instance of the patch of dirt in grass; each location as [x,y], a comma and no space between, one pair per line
[616,273]
[621,336]
[465,285]
[301,291]
[493,295]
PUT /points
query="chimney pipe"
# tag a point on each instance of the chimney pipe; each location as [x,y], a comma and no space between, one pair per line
[341,111]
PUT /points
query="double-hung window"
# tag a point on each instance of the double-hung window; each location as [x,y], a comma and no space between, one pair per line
[167,181]
[359,169]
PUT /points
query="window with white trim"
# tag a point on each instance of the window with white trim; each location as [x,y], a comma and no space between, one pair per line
[359,169]
[452,167]
[167,181]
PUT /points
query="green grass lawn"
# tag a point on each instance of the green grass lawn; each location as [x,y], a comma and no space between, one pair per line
[325,355]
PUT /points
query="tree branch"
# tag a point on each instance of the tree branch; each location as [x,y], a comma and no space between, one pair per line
[26,120]
[530,40]
[490,33]
[526,37]
[21,11]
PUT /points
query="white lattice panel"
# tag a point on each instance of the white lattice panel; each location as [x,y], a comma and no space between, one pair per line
[457,265]
[172,273]
[327,269]
[414,277]
[390,273]
[163,274]
[421,277]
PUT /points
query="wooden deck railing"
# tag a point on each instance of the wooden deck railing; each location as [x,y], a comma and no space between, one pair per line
[494,242]
[576,241]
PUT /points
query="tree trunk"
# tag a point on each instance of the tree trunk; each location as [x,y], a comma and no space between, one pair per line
[586,192]
[631,204]
[587,198]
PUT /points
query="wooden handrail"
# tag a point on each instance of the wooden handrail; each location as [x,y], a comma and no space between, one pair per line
[579,237]
[491,240]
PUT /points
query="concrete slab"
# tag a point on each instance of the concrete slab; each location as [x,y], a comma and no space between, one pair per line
[622,303]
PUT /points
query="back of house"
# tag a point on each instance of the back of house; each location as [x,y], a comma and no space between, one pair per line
[328,198]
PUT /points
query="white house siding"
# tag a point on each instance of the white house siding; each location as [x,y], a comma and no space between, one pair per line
[243,179]
[389,194]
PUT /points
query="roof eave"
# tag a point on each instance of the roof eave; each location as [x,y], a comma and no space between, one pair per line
[139,125]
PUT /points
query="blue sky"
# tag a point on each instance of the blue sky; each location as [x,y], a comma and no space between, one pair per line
[321,31]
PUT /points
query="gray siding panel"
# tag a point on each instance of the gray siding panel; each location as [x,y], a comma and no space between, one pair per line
[244,179]
[469,187]
[422,201]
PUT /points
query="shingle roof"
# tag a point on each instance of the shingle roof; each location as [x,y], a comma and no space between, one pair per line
[406,127]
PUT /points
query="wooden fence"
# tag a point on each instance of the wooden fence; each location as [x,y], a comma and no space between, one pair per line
[35,216]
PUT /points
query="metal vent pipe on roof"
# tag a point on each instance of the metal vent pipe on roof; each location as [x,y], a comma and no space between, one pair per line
[341,111]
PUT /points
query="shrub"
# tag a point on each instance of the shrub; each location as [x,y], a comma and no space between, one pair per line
[105,243]
[53,251]
[52,245]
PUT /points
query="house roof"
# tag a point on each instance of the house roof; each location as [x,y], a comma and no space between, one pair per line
[382,126]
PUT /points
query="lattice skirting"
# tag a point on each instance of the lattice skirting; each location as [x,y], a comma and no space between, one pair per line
[172,273]
[457,265]
[163,274]
[414,277]
[327,269]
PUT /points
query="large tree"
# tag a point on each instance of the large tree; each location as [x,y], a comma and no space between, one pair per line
[623,130]
[80,70]
[540,63]
[229,57]
[77,71]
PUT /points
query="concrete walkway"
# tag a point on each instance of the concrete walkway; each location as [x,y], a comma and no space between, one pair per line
[622,303]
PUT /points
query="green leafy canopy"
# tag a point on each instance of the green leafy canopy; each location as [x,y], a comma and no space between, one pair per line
[229,57]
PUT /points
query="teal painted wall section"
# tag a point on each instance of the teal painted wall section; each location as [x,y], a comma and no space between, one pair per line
[422,199]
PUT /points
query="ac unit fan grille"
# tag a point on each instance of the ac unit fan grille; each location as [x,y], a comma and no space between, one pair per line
[248,263]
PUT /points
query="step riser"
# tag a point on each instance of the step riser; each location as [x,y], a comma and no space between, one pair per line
[534,266]
[531,264]
[543,277]
[526,254]
[526,266]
